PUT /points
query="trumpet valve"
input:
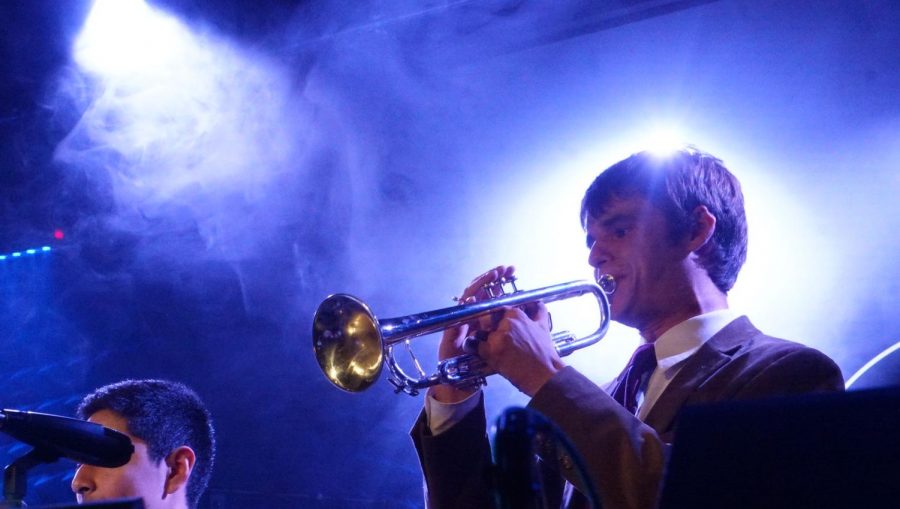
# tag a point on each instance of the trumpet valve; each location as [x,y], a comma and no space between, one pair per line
[500,287]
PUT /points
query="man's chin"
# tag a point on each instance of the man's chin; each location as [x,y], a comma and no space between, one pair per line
[621,316]
[617,317]
[615,311]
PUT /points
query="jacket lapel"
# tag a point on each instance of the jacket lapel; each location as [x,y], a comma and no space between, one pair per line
[697,370]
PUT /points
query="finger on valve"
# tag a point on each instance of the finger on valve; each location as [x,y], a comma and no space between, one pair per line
[537,312]
[477,292]
[459,340]
[477,287]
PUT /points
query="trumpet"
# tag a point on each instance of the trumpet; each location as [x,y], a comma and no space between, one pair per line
[352,346]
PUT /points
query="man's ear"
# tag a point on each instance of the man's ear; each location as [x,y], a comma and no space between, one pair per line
[702,228]
[180,463]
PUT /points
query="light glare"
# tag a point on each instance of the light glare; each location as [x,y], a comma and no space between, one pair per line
[188,115]
[127,37]
[663,140]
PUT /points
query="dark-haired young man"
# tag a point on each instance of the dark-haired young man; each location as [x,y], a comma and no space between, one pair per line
[174,444]
[672,232]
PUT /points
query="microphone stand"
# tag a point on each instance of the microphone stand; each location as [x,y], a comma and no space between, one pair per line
[15,476]
[521,434]
[53,437]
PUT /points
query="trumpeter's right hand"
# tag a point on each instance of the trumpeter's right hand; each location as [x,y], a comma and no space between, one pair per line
[453,341]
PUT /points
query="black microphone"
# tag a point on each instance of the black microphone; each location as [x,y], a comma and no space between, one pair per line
[80,441]
[520,435]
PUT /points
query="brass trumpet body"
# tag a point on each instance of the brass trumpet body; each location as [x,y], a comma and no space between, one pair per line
[352,345]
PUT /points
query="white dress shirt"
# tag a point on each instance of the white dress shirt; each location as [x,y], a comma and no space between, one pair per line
[673,348]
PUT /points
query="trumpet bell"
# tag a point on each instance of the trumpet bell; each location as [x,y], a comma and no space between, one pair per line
[348,343]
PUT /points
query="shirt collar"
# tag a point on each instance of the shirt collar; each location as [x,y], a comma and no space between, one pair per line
[682,340]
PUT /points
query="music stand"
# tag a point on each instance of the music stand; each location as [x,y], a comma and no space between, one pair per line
[822,451]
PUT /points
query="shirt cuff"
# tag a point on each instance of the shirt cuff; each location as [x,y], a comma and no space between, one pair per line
[443,416]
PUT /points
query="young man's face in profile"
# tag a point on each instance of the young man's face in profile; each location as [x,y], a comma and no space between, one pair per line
[140,477]
[630,240]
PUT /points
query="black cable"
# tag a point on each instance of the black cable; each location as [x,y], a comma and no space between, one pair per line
[521,436]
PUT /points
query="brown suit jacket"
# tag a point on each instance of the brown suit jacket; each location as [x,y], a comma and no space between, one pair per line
[624,456]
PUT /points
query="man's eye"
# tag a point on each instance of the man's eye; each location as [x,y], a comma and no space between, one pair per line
[620,232]
[590,241]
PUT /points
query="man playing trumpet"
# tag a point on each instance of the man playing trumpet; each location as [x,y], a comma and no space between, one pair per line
[672,232]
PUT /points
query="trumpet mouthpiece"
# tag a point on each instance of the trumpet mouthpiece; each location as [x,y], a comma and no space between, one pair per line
[607,283]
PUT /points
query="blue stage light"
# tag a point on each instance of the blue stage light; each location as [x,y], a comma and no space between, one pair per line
[25,252]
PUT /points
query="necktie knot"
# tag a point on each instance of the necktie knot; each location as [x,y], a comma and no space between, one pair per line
[642,363]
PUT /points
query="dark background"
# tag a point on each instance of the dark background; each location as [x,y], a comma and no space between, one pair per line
[215,175]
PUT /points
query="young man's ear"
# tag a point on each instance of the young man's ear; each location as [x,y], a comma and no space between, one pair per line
[703,227]
[180,463]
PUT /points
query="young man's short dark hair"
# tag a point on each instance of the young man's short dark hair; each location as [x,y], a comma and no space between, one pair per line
[676,184]
[166,415]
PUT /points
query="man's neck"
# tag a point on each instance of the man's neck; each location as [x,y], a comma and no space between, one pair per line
[704,297]
[176,500]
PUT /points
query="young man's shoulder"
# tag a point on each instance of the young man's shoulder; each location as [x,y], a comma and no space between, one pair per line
[774,347]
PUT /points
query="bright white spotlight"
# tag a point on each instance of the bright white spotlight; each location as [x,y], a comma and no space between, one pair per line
[663,140]
[127,36]
[179,114]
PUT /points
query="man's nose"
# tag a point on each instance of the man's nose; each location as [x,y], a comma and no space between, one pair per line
[597,256]
[83,483]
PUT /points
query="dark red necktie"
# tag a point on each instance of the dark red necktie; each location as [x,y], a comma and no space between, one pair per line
[640,366]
